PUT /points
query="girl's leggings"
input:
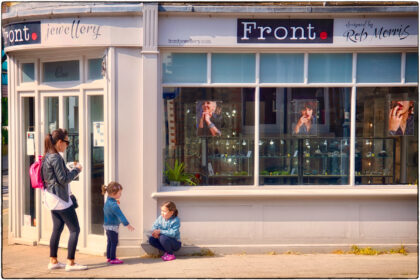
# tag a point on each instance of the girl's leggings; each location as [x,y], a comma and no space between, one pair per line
[165,243]
[60,217]
[111,248]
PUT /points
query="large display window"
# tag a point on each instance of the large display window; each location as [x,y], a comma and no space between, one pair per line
[305,130]
[386,135]
[304,136]
[208,131]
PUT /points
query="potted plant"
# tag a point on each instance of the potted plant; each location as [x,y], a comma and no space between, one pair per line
[176,175]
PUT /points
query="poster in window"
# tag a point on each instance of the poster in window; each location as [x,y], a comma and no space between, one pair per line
[401,117]
[30,143]
[98,134]
[304,117]
[209,118]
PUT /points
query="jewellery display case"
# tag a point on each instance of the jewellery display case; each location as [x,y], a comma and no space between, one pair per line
[217,160]
[375,160]
[304,161]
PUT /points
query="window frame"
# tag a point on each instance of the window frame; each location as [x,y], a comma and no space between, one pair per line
[353,85]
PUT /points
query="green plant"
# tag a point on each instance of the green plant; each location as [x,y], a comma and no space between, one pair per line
[177,174]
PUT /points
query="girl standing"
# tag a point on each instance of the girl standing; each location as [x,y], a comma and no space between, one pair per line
[113,216]
[56,178]
[165,235]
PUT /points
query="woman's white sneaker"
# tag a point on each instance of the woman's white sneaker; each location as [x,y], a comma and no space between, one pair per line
[75,267]
[58,265]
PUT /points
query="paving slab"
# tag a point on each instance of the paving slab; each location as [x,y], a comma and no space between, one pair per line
[22,261]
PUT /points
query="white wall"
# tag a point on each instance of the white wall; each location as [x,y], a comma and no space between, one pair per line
[127,134]
[300,224]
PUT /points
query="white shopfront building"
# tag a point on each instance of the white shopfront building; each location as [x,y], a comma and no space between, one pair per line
[128,81]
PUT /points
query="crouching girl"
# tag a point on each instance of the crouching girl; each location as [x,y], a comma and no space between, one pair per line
[165,235]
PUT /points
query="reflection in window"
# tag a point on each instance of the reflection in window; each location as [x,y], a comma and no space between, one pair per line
[95,69]
[233,68]
[378,67]
[97,137]
[28,72]
[387,136]
[72,125]
[184,68]
[61,71]
[51,114]
[205,130]
[304,136]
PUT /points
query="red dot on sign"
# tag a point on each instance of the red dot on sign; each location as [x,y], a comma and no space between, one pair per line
[323,35]
[34,36]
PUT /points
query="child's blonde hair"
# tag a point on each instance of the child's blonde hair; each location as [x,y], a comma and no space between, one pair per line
[112,188]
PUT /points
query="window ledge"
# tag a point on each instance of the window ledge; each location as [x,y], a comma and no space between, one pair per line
[270,193]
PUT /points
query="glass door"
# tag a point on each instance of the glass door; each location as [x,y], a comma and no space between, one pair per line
[28,131]
[96,159]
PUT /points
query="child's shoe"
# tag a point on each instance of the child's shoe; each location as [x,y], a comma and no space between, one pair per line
[108,260]
[164,256]
[116,261]
[169,257]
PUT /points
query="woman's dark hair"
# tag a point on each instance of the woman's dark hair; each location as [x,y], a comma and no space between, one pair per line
[112,188]
[171,207]
[52,138]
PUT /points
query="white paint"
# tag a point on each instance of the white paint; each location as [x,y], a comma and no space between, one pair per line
[401,32]
[222,32]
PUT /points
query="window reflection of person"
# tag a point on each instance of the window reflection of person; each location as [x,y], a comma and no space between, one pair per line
[209,117]
[306,122]
[401,118]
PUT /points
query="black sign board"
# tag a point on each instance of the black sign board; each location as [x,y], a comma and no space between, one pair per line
[285,31]
[24,33]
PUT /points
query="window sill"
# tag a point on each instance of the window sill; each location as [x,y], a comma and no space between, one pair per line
[182,192]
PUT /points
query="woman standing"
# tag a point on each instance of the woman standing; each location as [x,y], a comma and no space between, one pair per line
[56,178]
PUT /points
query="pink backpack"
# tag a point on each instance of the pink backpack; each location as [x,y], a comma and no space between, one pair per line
[35,174]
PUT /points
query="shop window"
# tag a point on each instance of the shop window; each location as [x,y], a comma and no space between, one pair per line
[184,68]
[28,72]
[71,108]
[306,139]
[61,71]
[51,114]
[95,69]
[387,136]
[412,68]
[232,68]
[332,68]
[204,131]
[378,67]
[281,68]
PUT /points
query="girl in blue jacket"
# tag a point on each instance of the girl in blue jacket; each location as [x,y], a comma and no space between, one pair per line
[113,216]
[165,235]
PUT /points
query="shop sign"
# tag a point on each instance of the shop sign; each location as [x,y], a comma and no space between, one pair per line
[285,31]
[376,31]
[22,33]
[92,31]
